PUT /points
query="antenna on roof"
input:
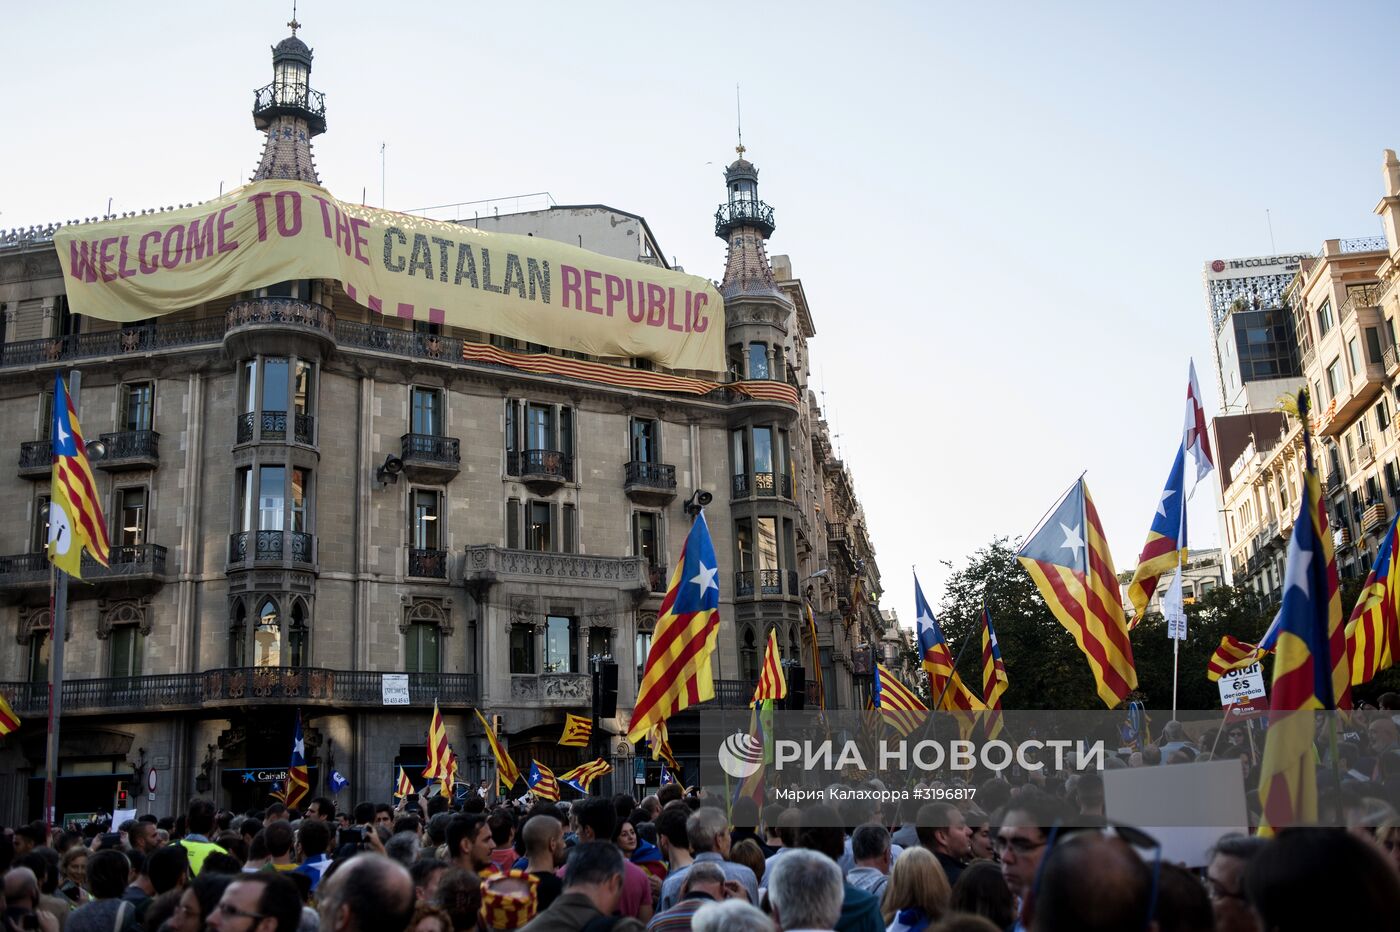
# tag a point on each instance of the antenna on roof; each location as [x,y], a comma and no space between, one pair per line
[739,119]
[294,24]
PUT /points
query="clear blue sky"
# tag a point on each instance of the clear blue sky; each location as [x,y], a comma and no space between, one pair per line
[1000,212]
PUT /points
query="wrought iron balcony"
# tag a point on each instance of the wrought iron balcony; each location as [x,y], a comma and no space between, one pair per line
[276,547]
[238,686]
[272,426]
[738,694]
[36,459]
[767,485]
[130,568]
[430,458]
[408,343]
[744,214]
[544,468]
[429,564]
[293,98]
[278,325]
[129,449]
[649,483]
[743,583]
[740,486]
[770,582]
[117,342]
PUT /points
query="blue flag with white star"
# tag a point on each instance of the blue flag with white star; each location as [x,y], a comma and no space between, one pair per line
[338,782]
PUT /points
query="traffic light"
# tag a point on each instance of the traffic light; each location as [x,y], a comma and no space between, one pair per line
[123,797]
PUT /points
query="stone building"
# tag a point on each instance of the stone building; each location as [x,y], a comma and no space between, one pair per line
[315,507]
[1343,305]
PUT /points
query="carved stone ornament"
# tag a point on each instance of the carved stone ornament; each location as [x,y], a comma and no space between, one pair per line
[523,611]
[32,620]
[124,612]
[422,610]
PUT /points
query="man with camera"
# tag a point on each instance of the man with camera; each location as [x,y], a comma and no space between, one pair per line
[22,910]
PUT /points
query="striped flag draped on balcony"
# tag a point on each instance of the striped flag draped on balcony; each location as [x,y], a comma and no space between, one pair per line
[772,684]
[75,512]
[678,673]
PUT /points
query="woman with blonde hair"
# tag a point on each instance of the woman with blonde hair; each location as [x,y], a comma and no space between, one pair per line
[918,893]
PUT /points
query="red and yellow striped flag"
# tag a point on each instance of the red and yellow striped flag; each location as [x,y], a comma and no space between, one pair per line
[1069,561]
[75,513]
[678,672]
[772,684]
[9,721]
[404,787]
[1311,668]
[506,771]
[542,782]
[582,776]
[816,657]
[578,731]
[1373,631]
[897,703]
[660,742]
[437,746]
[1232,654]
[994,681]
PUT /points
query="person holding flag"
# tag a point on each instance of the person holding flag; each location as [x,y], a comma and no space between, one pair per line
[678,672]
[1069,561]
[1311,668]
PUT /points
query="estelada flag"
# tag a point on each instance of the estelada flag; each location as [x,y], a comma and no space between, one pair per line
[1165,549]
[577,731]
[75,512]
[1373,632]
[437,746]
[542,782]
[946,686]
[405,786]
[1069,562]
[582,776]
[678,672]
[994,681]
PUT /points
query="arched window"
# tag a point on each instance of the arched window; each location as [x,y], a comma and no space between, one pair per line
[237,635]
[748,657]
[267,636]
[421,648]
[297,636]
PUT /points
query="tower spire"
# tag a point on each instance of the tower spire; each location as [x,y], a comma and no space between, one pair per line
[745,222]
[739,120]
[289,111]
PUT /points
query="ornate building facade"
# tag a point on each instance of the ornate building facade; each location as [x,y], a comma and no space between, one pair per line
[314,507]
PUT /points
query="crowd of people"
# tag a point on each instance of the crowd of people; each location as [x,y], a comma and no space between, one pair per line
[679,860]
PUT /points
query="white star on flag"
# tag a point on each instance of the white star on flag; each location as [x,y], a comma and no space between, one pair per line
[1162,505]
[1073,541]
[1297,572]
[299,748]
[63,435]
[705,579]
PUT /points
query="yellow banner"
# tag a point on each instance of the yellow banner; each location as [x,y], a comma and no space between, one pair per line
[524,287]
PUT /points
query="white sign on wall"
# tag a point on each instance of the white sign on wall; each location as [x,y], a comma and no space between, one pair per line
[1239,685]
[395,688]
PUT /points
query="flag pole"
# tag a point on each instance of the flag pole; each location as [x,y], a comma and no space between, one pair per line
[956,660]
[58,608]
[1176,651]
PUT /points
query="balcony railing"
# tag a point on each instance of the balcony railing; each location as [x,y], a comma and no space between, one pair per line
[653,475]
[743,583]
[398,342]
[36,457]
[548,464]
[272,547]
[743,213]
[740,485]
[770,582]
[231,686]
[431,564]
[121,341]
[1375,516]
[293,311]
[123,562]
[290,95]
[738,694]
[128,448]
[432,448]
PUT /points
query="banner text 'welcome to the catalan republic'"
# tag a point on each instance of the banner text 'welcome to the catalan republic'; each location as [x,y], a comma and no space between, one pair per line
[525,287]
